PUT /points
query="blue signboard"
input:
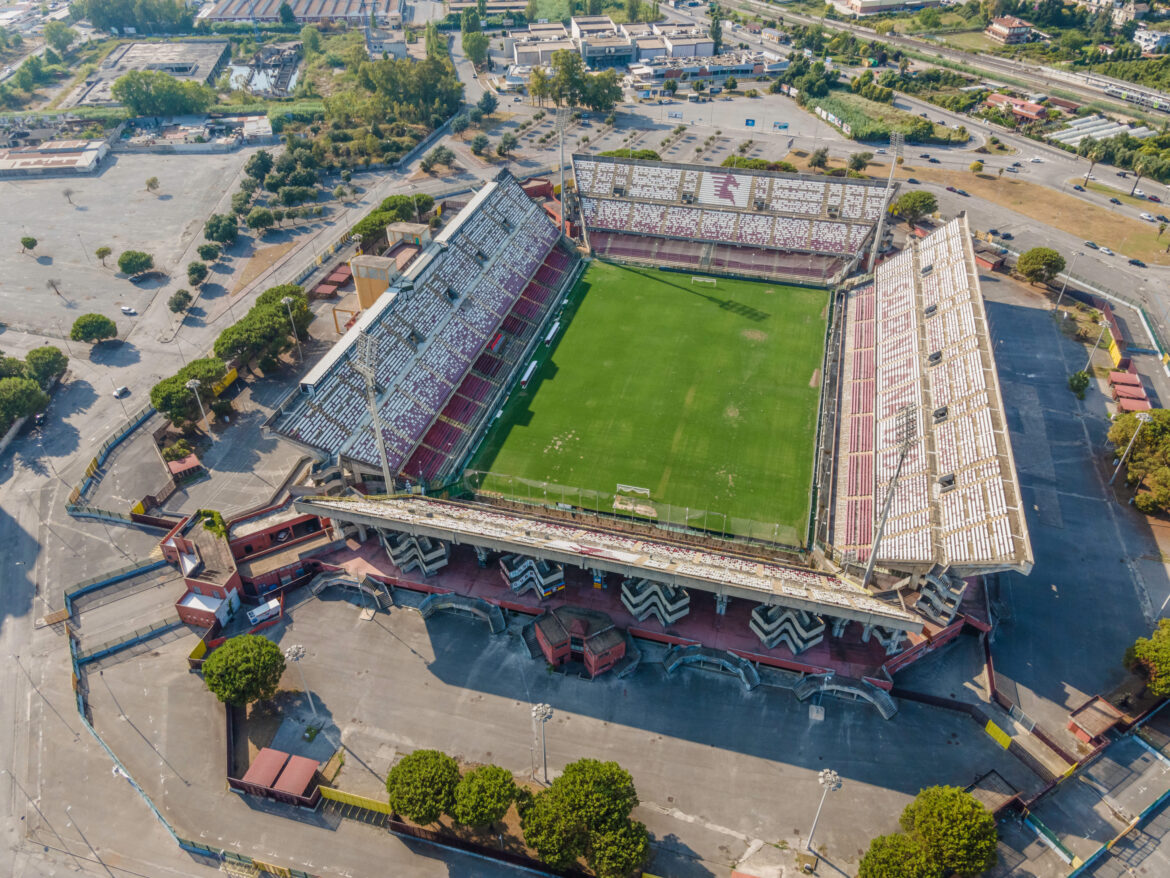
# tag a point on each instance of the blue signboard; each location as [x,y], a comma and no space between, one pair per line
[780,126]
[750,123]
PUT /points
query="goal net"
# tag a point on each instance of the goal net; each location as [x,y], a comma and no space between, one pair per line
[704,280]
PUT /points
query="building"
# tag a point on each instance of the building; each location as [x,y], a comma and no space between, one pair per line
[648,77]
[1009,30]
[1028,111]
[1152,40]
[1120,11]
[198,61]
[53,158]
[386,13]
[607,50]
[567,634]
[688,45]
[591,25]
[877,7]
[539,52]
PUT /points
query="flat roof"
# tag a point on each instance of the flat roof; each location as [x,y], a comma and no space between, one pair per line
[266,767]
[297,776]
[247,10]
[206,603]
[285,557]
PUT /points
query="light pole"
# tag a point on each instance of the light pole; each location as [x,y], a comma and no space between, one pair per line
[1143,418]
[542,713]
[294,654]
[1096,344]
[288,300]
[193,385]
[1067,274]
[830,782]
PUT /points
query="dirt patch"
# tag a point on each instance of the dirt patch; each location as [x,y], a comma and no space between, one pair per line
[263,260]
[627,504]
[755,335]
[731,412]
[815,381]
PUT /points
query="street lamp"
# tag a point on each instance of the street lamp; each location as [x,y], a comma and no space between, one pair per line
[294,654]
[193,385]
[1067,274]
[288,302]
[1096,344]
[830,782]
[542,713]
[1143,418]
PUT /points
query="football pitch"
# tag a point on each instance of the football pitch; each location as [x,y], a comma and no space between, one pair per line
[706,395]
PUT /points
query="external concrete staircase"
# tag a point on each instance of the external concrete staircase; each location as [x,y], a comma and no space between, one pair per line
[834,684]
[940,597]
[408,552]
[796,629]
[644,597]
[630,661]
[523,574]
[378,594]
[677,656]
[489,612]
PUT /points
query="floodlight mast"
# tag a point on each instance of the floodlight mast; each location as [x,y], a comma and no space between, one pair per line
[906,436]
[897,140]
[365,365]
[562,120]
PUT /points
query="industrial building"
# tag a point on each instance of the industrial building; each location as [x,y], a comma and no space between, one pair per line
[189,60]
[386,13]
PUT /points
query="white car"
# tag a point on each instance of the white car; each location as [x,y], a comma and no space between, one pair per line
[1147,217]
[121,391]
[1139,193]
[126,309]
[1106,251]
[1035,159]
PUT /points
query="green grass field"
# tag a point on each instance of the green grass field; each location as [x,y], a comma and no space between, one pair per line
[706,395]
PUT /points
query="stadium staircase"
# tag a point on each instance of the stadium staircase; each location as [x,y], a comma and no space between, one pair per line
[644,597]
[528,635]
[523,574]
[847,687]
[677,656]
[796,629]
[940,597]
[408,552]
[462,603]
[630,661]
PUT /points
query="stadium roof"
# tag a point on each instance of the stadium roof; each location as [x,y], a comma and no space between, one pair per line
[917,370]
[627,555]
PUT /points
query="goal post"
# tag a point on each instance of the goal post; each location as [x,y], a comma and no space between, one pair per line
[695,279]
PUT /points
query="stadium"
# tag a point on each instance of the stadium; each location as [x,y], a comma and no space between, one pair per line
[692,426]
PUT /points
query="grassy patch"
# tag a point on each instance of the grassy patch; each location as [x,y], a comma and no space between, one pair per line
[971,41]
[706,395]
[871,120]
[1122,196]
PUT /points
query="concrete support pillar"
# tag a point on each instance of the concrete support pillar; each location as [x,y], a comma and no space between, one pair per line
[839,626]
[481,555]
[721,601]
[598,577]
[362,534]
[866,630]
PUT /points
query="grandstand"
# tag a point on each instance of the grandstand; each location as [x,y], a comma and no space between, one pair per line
[915,343]
[748,223]
[450,335]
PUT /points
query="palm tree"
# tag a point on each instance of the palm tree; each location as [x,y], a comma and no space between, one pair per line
[1142,165]
[51,284]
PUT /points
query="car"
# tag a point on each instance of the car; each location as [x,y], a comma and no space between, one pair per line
[1154,198]
[942,121]
[881,152]
[1012,170]
[1162,218]
[952,189]
[39,419]
[1035,160]
[121,391]
[1106,251]
[126,309]
[1017,164]
[924,116]
[993,231]
[516,99]
[1007,236]
[1139,193]
[963,193]
[1148,217]
[1091,245]
[934,161]
[912,181]
[924,155]
[1122,174]
[1115,201]
[1137,262]
[1079,188]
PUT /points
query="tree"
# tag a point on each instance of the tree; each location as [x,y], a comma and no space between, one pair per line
[222,228]
[311,39]
[101,253]
[897,856]
[287,16]
[28,243]
[858,160]
[731,84]
[59,35]
[19,398]
[154,93]
[633,10]
[260,219]
[954,827]
[914,205]
[977,167]
[176,402]
[716,31]
[1149,657]
[469,21]
[620,852]
[259,165]
[475,114]
[602,91]
[246,668]
[196,273]
[93,328]
[1142,165]
[670,86]
[475,47]
[45,364]
[1078,383]
[819,158]
[1040,264]
[567,82]
[134,262]
[422,785]
[487,103]
[210,252]
[506,145]
[539,85]
[481,8]
[1094,154]
[179,301]
[479,143]
[460,124]
[152,184]
[484,796]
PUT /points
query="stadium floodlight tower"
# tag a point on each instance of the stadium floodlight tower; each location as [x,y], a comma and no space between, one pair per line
[365,364]
[897,141]
[562,121]
[906,432]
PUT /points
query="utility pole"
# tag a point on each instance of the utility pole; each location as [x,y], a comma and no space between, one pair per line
[897,140]
[1067,274]
[830,782]
[193,385]
[366,365]
[542,713]
[907,432]
[1096,344]
[562,120]
[294,654]
[1143,418]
